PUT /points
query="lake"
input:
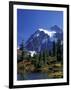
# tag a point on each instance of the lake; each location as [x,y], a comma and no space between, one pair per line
[32,76]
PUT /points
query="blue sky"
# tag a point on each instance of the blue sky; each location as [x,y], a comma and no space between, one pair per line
[28,21]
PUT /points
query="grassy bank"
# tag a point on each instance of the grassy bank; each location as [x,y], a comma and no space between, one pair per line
[54,70]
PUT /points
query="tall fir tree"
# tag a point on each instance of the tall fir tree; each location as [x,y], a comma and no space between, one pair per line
[50,53]
[22,48]
[59,50]
[54,48]
[41,59]
[29,57]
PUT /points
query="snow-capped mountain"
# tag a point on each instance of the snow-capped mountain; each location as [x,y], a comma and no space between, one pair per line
[50,33]
[56,29]
[43,38]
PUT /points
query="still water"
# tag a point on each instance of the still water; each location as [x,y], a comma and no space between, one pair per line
[32,76]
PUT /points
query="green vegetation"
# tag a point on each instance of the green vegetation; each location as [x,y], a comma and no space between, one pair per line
[46,61]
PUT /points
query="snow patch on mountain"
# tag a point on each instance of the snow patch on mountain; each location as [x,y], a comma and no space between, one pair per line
[32,53]
[50,33]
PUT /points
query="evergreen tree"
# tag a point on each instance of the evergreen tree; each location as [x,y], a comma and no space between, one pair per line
[41,62]
[62,53]
[22,51]
[39,59]
[50,53]
[34,60]
[29,57]
[45,56]
[59,50]
[54,48]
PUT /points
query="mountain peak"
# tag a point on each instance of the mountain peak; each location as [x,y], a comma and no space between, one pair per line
[56,28]
[43,38]
[50,33]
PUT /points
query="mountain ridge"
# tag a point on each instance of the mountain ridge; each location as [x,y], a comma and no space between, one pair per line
[43,38]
